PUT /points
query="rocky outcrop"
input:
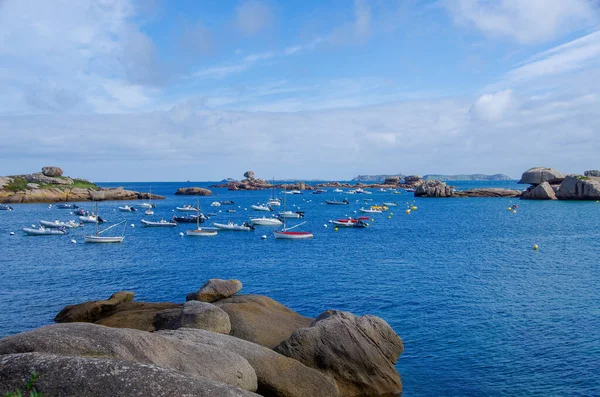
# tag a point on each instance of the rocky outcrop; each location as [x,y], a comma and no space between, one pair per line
[94,310]
[595,173]
[543,191]
[433,189]
[377,178]
[337,343]
[92,376]
[249,174]
[538,175]
[52,171]
[277,375]
[578,187]
[202,315]
[129,345]
[413,180]
[216,289]
[260,319]
[40,177]
[392,180]
[193,191]
[487,192]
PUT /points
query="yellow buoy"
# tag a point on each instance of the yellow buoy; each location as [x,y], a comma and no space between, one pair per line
[407,211]
[414,208]
[366,224]
[335,229]
[389,217]
[509,209]
[535,247]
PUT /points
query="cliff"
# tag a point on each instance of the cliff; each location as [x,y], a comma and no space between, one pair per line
[375,178]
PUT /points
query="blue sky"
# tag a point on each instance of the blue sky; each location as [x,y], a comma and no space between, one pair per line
[204,90]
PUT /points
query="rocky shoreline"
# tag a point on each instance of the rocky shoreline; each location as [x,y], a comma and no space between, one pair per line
[50,186]
[217,343]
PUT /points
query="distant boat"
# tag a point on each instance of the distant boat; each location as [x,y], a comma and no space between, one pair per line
[149,205]
[411,190]
[81,212]
[338,191]
[56,224]
[390,204]
[227,202]
[215,204]
[261,207]
[42,231]
[370,211]
[245,227]
[97,238]
[319,191]
[91,219]
[66,206]
[291,214]
[200,232]
[286,234]
[264,221]
[127,208]
[350,223]
[4,207]
[335,202]
[187,208]
[230,210]
[189,219]
[161,223]
[361,191]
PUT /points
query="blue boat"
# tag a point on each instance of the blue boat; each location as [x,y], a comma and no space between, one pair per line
[4,207]
[67,206]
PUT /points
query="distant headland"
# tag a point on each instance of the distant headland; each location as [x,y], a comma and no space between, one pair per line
[438,177]
[50,186]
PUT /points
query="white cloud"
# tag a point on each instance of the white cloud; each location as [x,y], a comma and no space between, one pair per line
[252,16]
[221,72]
[526,21]
[493,107]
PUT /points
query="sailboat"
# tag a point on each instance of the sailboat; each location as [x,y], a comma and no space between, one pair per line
[273,201]
[200,232]
[97,238]
[149,209]
[285,232]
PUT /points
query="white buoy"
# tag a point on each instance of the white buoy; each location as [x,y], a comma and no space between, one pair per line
[71,213]
[32,225]
[132,225]
[12,233]
[330,221]
[264,236]
[181,234]
[73,241]
[325,225]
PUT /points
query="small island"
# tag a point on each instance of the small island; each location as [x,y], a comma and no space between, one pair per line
[50,186]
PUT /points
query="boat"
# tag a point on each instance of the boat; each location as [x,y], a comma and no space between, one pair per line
[215,204]
[199,231]
[227,202]
[245,227]
[148,205]
[230,210]
[274,203]
[350,223]
[98,239]
[319,191]
[390,204]
[161,223]
[188,219]
[91,218]
[351,192]
[81,212]
[338,191]
[286,234]
[396,192]
[187,208]
[127,208]
[66,206]
[411,190]
[149,212]
[261,207]
[291,214]
[335,202]
[57,225]
[264,221]
[4,207]
[209,214]
[370,211]
[42,231]
[361,191]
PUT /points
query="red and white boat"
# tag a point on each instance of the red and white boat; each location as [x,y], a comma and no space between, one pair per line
[350,222]
[283,234]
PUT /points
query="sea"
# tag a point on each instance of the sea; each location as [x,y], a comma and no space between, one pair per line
[480,312]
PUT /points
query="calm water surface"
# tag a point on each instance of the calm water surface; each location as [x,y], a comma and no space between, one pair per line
[479,311]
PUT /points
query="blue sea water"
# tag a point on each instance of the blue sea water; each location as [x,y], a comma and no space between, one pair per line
[480,312]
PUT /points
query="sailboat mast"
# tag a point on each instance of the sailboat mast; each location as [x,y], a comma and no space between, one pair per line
[198,215]
[97,219]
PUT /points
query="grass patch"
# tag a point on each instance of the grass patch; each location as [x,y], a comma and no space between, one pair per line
[96,353]
[82,183]
[582,178]
[17,183]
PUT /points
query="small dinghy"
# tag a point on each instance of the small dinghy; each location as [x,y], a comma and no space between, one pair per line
[291,214]
[161,223]
[284,234]
[215,204]
[91,219]
[202,232]
[189,219]
[187,208]
[227,202]
[149,211]
[66,206]
[127,208]
[4,207]
[264,221]
[335,202]
[57,225]
[42,231]
[261,208]
[350,223]
[370,211]
[81,212]
[390,204]
[245,227]
[338,191]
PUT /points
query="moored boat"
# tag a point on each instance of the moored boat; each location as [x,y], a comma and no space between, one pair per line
[4,207]
[291,214]
[66,206]
[370,211]
[187,208]
[98,239]
[284,234]
[56,224]
[91,218]
[201,232]
[335,202]
[42,231]
[245,227]
[189,218]
[161,223]
[127,208]
[264,221]
[390,204]
[350,223]
[261,207]
[215,204]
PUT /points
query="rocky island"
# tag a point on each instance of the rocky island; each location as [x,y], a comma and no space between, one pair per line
[217,343]
[50,186]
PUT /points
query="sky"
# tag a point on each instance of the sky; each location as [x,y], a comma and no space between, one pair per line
[156,90]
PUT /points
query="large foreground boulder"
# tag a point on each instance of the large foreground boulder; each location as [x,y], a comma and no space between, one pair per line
[543,191]
[93,310]
[538,175]
[359,353]
[277,375]
[578,187]
[434,188]
[261,320]
[215,289]
[67,376]
[90,340]
[205,316]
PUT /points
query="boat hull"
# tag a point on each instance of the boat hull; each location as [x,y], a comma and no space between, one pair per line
[260,208]
[54,225]
[292,235]
[233,228]
[104,239]
[44,232]
[201,233]
[158,224]
[266,222]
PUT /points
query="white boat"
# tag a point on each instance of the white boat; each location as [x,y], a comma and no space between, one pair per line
[390,204]
[148,205]
[127,208]
[149,212]
[351,191]
[361,191]
[91,219]
[261,208]
[56,224]
[215,204]
[4,207]
[144,205]
[286,234]
[291,214]
[200,231]
[98,239]
[42,231]
[369,211]
[264,221]
[274,203]
[245,227]
[187,208]
[161,223]
[338,191]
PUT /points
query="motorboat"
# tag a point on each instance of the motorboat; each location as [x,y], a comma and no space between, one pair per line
[227,202]
[390,204]
[81,212]
[350,223]
[4,207]
[215,204]
[351,192]
[149,212]
[245,227]
[42,231]
[370,211]
[146,205]
[161,223]
[91,219]
[335,202]
[202,232]
[66,206]
[261,207]
[274,203]
[264,221]
[411,190]
[57,225]
[189,218]
[127,208]
[319,191]
[338,191]
[188,208]
[284,234]
[291,214]
[361,191]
